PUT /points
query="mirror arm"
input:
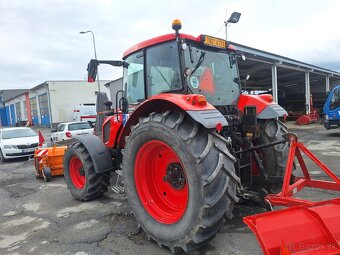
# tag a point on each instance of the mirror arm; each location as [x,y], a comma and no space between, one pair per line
[113,62]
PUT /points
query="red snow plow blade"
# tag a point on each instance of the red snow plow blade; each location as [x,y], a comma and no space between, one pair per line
[299,230]
[306,227]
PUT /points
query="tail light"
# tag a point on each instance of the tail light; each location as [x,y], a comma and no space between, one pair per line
[219,127]
[199,100]
[68,134]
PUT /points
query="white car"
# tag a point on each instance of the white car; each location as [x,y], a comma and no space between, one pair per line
[17,142]
[69,130]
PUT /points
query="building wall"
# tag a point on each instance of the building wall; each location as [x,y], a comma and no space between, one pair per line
[12,115]
[64,95]
[52,102]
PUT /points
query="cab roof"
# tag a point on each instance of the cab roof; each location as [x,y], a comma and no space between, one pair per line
[161,39]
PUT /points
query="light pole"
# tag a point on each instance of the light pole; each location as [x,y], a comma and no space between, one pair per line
[234,18]
[95,53]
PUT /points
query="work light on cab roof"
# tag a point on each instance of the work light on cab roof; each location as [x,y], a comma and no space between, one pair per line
[176,25]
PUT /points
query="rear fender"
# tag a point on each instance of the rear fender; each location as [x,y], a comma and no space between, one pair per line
[205,114]
[265,107]
[100,155]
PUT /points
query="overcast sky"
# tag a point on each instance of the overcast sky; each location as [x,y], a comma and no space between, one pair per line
[40,40]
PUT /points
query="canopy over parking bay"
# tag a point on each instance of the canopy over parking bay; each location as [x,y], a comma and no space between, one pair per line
[294,84]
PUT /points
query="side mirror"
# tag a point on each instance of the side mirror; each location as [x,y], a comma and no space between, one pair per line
[243,57]
[53,130]
[123,105]
[247,77]
[90,123]
[108,104]
[92,69]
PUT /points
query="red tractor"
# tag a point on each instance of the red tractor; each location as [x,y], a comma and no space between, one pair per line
[189,143]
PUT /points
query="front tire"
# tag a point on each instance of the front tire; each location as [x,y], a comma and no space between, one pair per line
[179,179]
[81,179]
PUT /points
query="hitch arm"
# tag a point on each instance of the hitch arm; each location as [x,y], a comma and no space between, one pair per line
[262,146]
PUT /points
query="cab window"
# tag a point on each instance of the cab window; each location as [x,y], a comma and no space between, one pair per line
[133,78]
[335,99]
[215,75]
[163,68]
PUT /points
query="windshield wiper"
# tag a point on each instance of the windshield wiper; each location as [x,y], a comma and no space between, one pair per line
[199,62]
[162,76]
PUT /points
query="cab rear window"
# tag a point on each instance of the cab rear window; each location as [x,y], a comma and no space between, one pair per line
[78,126]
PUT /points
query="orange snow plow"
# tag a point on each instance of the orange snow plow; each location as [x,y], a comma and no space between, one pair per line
[49,162]
[306,227]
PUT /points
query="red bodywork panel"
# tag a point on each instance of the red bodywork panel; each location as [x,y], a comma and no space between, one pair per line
[173,102]
[185,102]
[260,101]
[115,129]
[164,38]
[157,103]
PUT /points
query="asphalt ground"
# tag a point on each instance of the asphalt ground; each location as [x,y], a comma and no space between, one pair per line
[42,218]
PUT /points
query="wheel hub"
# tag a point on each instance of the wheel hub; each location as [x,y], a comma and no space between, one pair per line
[175,176]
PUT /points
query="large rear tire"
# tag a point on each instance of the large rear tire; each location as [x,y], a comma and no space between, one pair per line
[274,158]
[81,179]
[179,179]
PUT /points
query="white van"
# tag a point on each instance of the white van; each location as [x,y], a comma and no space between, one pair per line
[85,112]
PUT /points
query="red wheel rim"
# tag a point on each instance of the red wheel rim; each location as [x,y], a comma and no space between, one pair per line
[77,173]
[164,196]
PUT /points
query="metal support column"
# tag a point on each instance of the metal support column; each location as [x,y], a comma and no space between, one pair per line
[327,83]
[307,92]
[274,83]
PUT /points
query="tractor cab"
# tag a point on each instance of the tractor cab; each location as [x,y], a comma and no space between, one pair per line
[181,64]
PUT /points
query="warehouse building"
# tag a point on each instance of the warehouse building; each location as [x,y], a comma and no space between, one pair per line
[5,95]
[50,103]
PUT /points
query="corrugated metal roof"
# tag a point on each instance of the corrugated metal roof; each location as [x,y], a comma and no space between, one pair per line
[275,58]
[8,94]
